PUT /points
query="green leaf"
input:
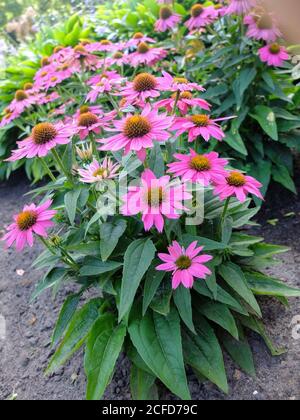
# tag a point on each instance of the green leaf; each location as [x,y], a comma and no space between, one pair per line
[110,233]
[162,299]
[203,353]
[208,244]
[93,266]
[240,352]
[152,283]
[242,83]
[71,199]
[236,142]
[222,297]
[158,341]
[264,285]
[142,385]
[156,161]
[235,278]
[183,302]
[281,174]
[257,326]
[103,347]
[76,334]
[53,276]
[66,314]
[267,120]
[221,315]
[137,260]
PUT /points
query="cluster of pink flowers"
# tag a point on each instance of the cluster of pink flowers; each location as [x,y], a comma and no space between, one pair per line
[147,109]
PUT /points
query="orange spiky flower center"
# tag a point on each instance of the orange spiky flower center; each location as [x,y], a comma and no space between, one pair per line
[26,220]
[197,10]
[165,13]
[43,133]
[155,196]
[87,119]
[137,126]
[143,48]
[21,95]
[236,179]
[144,82]
[200,120]
[265,22]
[200,163]
[274,49]
[138,35]
[183,262]
[28,86]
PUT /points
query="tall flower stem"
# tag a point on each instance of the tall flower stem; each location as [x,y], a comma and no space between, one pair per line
[224,214]
[94,145]
[60,164]
[48,170]
[176,102]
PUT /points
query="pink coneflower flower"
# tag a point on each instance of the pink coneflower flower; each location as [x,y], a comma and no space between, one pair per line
[185,102]
[138,132]
[33,219]
[273,55]
[201,16]
[185,264]
[44,137]
[112,76]
[202,169]
[143,87]
[139,38]
[88,61]
[146,55]
[155,199]
[103,46]
[61,55]
[43,98]
[97,172]
[91,123]
[240,7]
[8,117]
[94,109]
[105,86]
[178,84]
[239,185]
[168,20]
[118,59]
[199,125]
[22,101]
[262,28]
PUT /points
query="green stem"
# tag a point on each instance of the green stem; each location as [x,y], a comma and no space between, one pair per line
[46,244]
[47,169]
[176,102]
[224,214]
[61,165]
[94,145]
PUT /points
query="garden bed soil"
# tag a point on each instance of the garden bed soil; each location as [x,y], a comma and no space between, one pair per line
[26,351]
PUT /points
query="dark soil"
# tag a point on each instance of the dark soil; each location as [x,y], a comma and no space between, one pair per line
[25,352]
